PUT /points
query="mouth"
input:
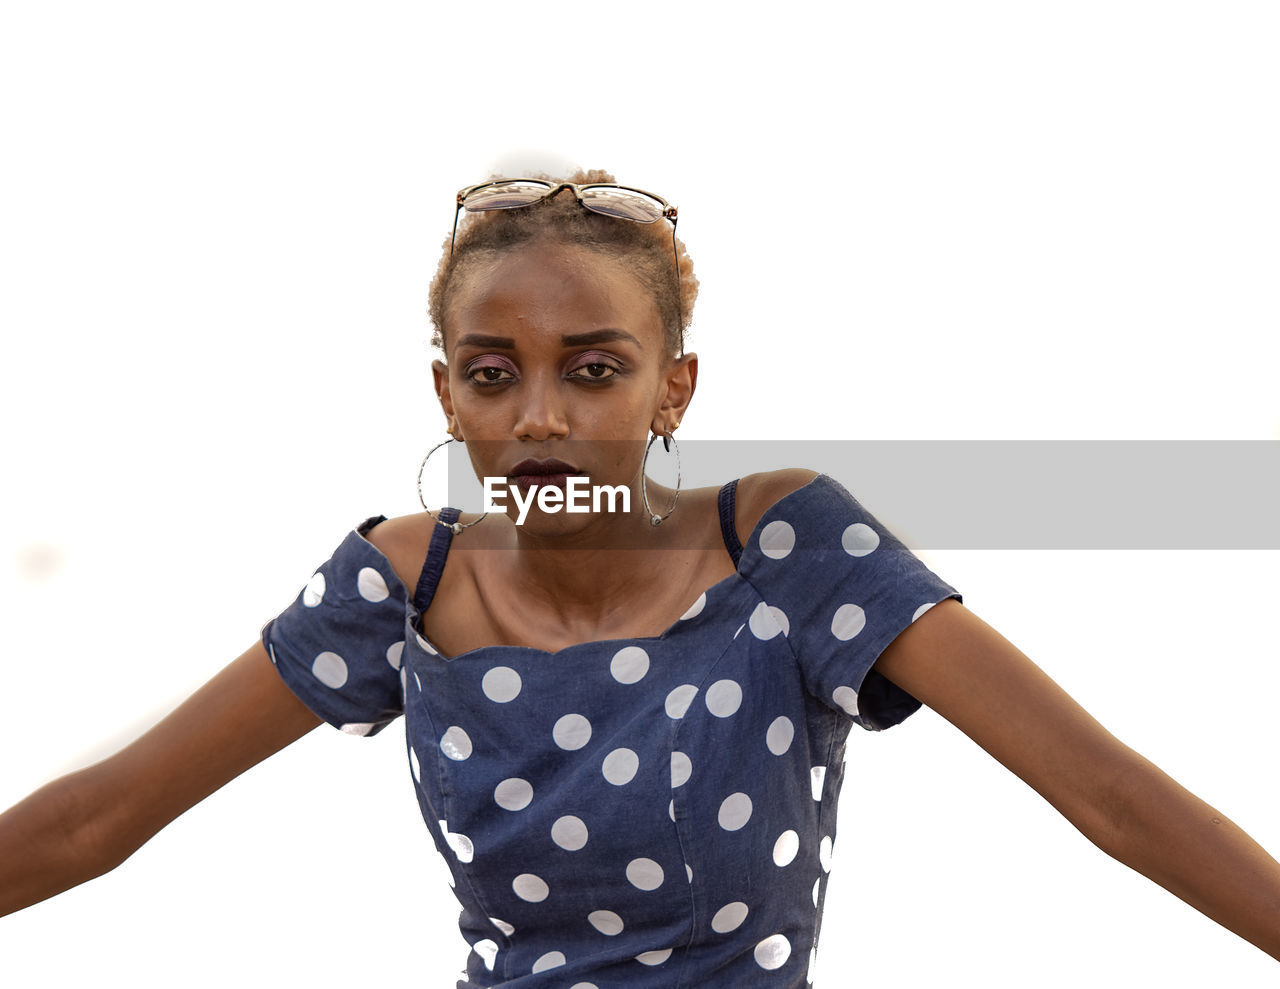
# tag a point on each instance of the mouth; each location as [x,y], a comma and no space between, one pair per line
[550,473]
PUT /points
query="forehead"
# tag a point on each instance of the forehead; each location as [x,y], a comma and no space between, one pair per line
[552,288]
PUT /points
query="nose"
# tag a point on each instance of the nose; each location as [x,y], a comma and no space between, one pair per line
[543,414]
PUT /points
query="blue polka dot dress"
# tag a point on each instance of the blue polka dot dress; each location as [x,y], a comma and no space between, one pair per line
[644,813]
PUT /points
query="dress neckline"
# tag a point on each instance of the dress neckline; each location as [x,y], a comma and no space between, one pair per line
[412,614]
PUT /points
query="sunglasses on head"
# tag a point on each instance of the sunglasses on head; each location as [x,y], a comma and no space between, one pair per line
[606,198]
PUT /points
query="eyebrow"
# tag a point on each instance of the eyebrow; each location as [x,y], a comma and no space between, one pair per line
[567,340]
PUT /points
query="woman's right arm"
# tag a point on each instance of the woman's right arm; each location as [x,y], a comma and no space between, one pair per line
[86,823]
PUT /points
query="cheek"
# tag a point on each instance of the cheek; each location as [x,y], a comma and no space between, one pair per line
[624,421]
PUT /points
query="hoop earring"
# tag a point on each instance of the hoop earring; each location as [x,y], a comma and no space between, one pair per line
[667,441]
[457,527]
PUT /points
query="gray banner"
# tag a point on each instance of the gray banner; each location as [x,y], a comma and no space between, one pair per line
[990,494]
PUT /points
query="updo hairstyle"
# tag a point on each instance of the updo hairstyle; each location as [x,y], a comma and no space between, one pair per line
[644,247]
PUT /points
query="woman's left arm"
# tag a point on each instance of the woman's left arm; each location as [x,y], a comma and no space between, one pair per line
[960,666]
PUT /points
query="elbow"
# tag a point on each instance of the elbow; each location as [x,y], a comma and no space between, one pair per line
[91,823]
[1139,812]
[48,845]
[1109,812]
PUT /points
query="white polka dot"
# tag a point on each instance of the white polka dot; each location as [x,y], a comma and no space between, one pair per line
[777,539]
[330,669]
[816,883]
[724,697]
[571,732]
[773,952]
[456,744]
[678,700]
[695,609]
[817,777]
[605,921]
[847,699]
[620,766]
[404,683]
[767,621]
[848,621]
[629,664]
[785,848]
[426,646]
[813,963]
[395,654]
[671,809]
[530,888]
[513,794]
[859,539]
[414,766]
[313,593]
[488,951]
[645,874]
[654,957]
[681,769]
[740,628]
[569,832]
[735,811]
[729,917]
[503,926]
[552,959]
[688,871]
[415,679]
[461,846]
[824,853]
[584,985]
[922,609]
[358,727]
[501,684]
[371,585]
[779,735]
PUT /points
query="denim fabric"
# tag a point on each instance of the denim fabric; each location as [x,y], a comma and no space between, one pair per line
[653,812]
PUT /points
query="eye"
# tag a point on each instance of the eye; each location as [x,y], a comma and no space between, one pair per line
[595,371]
[488,374]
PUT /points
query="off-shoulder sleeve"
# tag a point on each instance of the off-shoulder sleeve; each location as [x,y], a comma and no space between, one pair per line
[842,587]
[339,645]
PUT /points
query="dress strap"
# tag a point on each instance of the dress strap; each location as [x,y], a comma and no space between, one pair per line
[727,527]
[441,539]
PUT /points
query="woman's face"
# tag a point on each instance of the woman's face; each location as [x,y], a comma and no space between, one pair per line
[556,351]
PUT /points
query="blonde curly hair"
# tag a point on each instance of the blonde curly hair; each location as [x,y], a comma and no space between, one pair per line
[645,247]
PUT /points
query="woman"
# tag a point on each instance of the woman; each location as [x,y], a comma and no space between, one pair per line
[625,726]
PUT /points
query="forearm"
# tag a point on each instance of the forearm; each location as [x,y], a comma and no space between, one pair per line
[44,849]
[1175,839]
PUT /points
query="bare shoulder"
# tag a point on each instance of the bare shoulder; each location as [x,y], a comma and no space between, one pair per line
[403,541]
[757,493]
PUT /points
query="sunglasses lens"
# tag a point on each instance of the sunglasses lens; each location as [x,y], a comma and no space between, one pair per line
[622,204]
[506,195]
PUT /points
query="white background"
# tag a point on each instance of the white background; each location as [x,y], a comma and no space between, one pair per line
[911,220]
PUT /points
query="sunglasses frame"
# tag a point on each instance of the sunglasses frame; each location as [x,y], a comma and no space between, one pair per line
[669,212]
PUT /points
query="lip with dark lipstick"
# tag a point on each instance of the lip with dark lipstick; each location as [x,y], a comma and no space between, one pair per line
[551,473]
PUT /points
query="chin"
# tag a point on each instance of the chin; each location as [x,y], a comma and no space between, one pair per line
[561,526]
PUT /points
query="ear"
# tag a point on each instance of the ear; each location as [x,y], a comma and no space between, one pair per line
[679,381]
[440,378]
